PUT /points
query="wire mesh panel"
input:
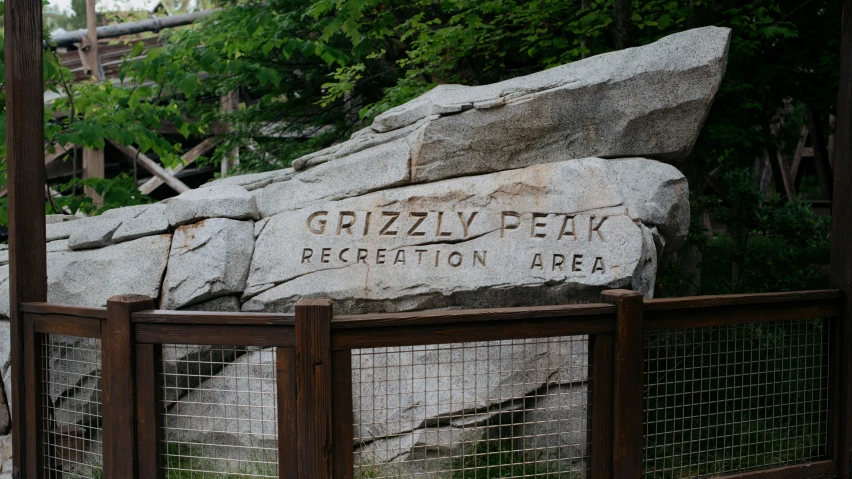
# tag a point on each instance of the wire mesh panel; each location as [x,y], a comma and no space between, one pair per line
[501,409]
[735,398]
[219,412]
[71,407]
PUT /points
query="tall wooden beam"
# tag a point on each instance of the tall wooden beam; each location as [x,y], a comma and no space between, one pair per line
[25,172]
[841,240]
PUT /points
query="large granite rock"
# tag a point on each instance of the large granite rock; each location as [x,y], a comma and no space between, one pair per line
[542,189]
[208,259]
[648,101]
[536,235]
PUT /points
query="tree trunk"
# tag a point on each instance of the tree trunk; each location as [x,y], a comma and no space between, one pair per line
[621,13]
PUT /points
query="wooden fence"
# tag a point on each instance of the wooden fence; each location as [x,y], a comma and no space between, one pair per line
[313,366]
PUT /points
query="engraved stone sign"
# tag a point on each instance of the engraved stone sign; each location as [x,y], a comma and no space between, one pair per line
[524,236]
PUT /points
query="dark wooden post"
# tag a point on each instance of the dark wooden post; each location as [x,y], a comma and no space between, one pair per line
[313,387]
[119,386]
[285,369]
[602,357]
[149,417]
[627,389]
[33,422]
[841,242]
[342,414]
[25,173]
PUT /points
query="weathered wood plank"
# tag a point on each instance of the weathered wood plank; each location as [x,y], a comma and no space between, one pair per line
[149,420]
[602,359]
[211,318]
[813,470]
[228,335]
[313,387]
[342,414]
[119,386]
[285,368]
[628,382]
[64,309]
[66,325]
[841,232]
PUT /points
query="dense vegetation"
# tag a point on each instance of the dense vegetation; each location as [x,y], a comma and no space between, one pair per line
[320,69]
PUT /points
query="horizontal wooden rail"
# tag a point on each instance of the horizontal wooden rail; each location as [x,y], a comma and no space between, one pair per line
[217,318]
[812,470]
[704,311]
[423,318]
[65,325]
[64,309]
[414,335]
[212,334]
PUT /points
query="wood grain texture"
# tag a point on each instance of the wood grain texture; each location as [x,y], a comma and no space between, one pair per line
[712,301]
[628,383]
[742,314]
[64,309]
[24,88]
[602,359]
[313,388]
[119,386]
[342,415]
[33,425]
[149,420]
[470,331]
[285,369]
[424,318]
[228,335]
[65,325]
[203,317]
[841,237]
[813,470]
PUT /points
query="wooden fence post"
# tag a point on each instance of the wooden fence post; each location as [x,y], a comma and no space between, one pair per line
[313,388]
[627,390]
[25,172]
[119,386]
[342,414]
[841,243]
[285,370]
[601,357]
[149,417]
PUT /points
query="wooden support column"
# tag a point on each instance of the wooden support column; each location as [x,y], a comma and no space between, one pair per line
[841,243]
[149,417]
[93,167]
[25,172]
[230,103]
[313,388]
[119,386]
[285,369]
[342,417]
[601,357]
[627,390]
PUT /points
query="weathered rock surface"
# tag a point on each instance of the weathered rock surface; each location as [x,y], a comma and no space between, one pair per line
[223,201]
[649,101]
[542,189]
[384,166]
[535,235]
[152,221]
[425,404]
[91,277]
[208,259]
[234,408]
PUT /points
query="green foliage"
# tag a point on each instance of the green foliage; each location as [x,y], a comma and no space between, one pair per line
[770,245]
[116,192]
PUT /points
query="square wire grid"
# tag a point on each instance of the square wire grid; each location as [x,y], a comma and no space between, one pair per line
[727,399]
[219,409]
[71,407]
[500,409]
